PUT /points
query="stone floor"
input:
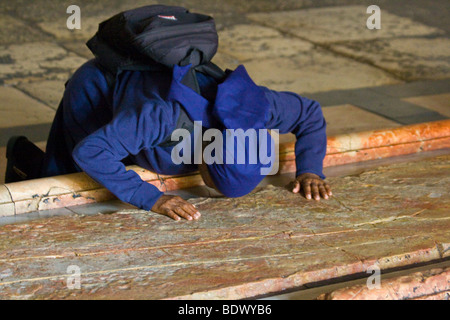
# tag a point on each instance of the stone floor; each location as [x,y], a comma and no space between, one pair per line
[272,240]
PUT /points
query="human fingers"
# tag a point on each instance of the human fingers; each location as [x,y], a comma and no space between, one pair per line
[323,191]
[175,207]
[182,213]
[315,190]
[184,209]
[306,187]
[328,189]
[171,214]
[296,187]
[190,209]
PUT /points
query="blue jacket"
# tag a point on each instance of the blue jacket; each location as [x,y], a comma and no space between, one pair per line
[99,126]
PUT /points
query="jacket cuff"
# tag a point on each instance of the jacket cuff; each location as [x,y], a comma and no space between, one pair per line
[320,174]
[146,196]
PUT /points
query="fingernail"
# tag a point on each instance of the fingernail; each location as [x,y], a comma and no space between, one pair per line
[308,196]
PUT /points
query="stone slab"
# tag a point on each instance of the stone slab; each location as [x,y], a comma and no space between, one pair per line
[13,30]
[265,242]
[379,103]
[49,92]
[6,205]
[315,70]
[340,23]
[399,91]
[39,60]
[78,47]
[347,118]
[408,58]
[19,109]
[253,42]
[35,132]
[415,89]
[433,284]
[439,103]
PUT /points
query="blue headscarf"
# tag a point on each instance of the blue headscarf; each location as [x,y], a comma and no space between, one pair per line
[239,109]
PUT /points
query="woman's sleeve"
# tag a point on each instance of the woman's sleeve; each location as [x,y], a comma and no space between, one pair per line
[130,131]
[302,117]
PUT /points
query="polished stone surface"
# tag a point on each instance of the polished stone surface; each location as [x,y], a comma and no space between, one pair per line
[395,216]
[433,284]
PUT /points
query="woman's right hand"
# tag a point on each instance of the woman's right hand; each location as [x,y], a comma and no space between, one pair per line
[176,208]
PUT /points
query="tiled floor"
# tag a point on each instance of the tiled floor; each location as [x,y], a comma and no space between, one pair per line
[439,102]
[349,118]
[364,79]
[19,109]
[340,23]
